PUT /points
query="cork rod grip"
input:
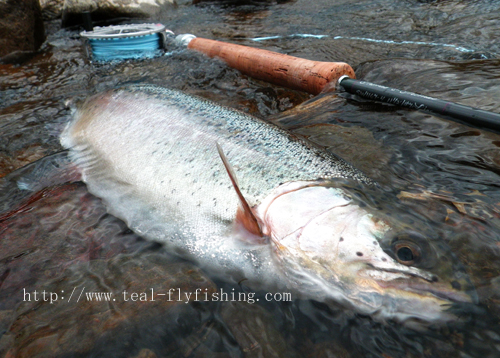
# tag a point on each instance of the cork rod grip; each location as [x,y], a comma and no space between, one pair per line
[273,67]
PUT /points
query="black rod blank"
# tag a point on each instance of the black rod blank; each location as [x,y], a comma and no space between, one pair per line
[87,21]
[476,117]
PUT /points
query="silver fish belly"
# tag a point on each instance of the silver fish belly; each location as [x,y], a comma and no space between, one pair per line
[151,154]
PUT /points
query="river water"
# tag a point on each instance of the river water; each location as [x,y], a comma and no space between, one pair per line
[62,240]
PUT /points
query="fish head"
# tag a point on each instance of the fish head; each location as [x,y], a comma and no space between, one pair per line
[337,248]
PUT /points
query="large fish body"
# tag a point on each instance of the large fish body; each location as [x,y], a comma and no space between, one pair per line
[152,155]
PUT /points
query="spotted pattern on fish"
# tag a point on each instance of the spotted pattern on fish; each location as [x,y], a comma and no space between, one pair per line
[297,159]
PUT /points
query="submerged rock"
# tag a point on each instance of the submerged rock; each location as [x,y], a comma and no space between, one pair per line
[50,231]
[98,305]
[21,28]
[254,330]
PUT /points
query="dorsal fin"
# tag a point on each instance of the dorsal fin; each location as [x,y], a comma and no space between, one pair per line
[244,214]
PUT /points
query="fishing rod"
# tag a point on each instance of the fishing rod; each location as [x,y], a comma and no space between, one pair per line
[146,40]
[314,76]
[277,68]
[474,116]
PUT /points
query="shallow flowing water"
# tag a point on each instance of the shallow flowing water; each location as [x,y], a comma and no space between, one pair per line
[444,173]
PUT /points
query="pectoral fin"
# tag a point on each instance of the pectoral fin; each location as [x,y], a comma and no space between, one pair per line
[244,215]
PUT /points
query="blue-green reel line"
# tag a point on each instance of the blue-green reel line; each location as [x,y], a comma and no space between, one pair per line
[121,42]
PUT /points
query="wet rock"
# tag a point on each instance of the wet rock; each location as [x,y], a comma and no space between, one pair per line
[145,353]
[109,9]
[67,317]
[52,9]
[329,350]
[210,339]
[254,330]
[21,158]
[240,2]
[21,27]
[50,231]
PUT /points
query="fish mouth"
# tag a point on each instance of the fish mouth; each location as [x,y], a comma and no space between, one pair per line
[426,286]
[439,291]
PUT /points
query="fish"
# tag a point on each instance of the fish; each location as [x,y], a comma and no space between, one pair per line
[249,201]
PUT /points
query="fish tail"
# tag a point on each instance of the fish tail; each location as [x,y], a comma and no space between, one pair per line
[57,125]
[49,171]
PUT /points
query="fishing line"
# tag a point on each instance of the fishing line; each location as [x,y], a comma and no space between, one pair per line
[391,42]
[288,36]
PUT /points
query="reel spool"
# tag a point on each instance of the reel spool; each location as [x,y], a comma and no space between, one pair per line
[119,42]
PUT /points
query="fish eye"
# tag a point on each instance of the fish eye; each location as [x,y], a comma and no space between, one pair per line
[407,253]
